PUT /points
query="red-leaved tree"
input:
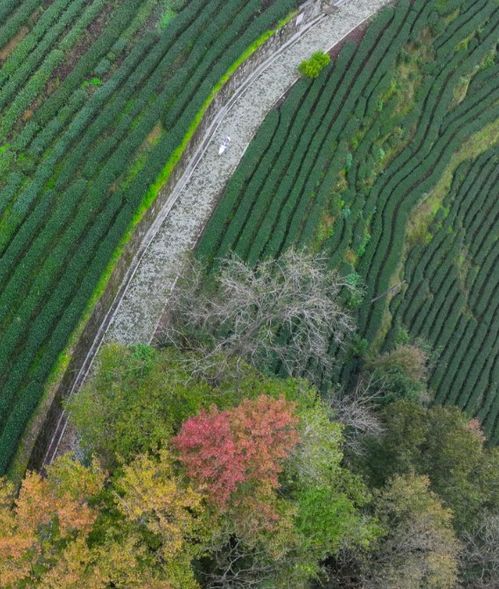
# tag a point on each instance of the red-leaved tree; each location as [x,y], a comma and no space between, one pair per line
[221,450]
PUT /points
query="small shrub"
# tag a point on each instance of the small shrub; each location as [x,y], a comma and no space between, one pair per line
[403,372]
[311,68]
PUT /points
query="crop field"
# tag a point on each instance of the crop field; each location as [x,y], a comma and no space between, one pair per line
[452,284]
[386,164]
[93,105]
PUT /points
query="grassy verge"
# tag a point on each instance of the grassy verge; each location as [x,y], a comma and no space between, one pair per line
[422,216]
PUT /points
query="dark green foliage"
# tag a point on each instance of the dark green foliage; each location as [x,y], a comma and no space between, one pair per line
[6,8]
[17,16]
[443,444]
[401,373]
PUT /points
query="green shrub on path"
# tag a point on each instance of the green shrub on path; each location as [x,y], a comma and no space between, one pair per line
[312,67]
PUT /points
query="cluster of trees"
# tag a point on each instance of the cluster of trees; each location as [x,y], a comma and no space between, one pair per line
[239,478]
[236,485]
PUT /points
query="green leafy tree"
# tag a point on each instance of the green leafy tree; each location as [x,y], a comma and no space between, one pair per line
[418,547]
[329,499]
[154,388]
[444,444]
[136,400]
[401,373]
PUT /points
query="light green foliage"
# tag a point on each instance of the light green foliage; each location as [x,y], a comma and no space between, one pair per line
[327,496]
[418,548]
[167,17]
[156,389]
[319,455]
[138,398]
[312,67]
[95,81]
[6,158]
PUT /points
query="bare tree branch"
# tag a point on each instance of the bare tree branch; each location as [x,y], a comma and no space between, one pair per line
[357,411]
[480,557]
[283,312]
[238,567]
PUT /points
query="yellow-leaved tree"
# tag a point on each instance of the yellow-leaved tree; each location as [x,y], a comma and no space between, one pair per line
[77,527]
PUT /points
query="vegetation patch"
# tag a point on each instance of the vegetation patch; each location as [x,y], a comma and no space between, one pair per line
[312,67]
[76,176]
[359,163]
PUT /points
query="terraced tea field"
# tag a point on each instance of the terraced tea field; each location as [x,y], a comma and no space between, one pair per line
[451,295]
[94,104]
[386,164]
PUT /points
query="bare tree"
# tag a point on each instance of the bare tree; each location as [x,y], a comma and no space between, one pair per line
[480,557]
[357,410]
[235,566]
[284,312]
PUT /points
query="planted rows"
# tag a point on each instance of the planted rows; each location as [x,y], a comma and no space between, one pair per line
[86,157]
[457,272]
[343,162]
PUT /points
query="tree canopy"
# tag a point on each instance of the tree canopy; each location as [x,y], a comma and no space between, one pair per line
[241,479]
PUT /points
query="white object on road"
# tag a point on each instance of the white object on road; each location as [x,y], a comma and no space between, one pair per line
[224,145]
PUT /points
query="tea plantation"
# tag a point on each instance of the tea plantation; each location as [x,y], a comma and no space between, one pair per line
[94,103]
[386,163]
[451,295]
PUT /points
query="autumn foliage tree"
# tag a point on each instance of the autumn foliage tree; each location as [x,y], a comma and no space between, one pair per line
[263,453]
[140,528]
[217,486]
[272,468]
[240,447]
[47,514]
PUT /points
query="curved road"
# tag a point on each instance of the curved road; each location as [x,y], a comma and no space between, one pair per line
[180,223]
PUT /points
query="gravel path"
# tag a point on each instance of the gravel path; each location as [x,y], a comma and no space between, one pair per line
[141,307]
